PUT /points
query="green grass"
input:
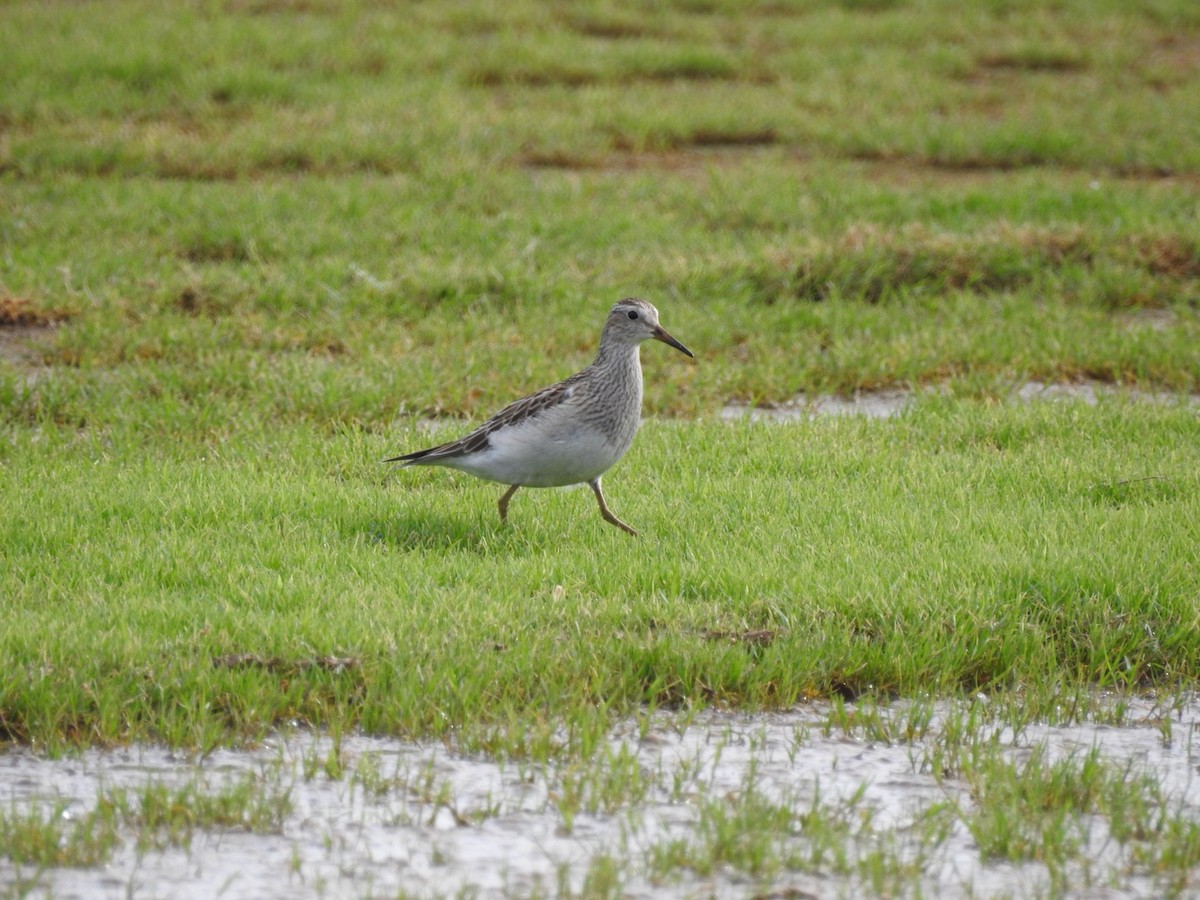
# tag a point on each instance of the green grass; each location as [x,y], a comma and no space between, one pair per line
[248,249]
[960,547]
[236,89]
[204,304]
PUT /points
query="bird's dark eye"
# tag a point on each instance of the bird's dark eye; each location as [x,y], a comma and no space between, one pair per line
[632,314]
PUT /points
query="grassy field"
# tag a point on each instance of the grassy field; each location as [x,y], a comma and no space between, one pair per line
[272,237]
[190,594]
[250,248]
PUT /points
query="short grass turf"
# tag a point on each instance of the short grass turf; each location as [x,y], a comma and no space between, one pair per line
[170,593]
[247,249]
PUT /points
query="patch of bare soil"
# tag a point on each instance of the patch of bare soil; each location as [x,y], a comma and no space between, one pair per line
[701,149]
[17,346]
[22,325]
[905,166]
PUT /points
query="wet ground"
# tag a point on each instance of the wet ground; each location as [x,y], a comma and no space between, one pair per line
[412,819]
[888,402]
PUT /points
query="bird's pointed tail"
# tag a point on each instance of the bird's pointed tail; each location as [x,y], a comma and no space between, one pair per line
[410,458]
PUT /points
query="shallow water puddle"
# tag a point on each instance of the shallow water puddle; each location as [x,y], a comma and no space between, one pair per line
[824,801]
[888,402]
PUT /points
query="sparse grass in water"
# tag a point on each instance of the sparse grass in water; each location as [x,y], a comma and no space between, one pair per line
[1064,817]
[157,815]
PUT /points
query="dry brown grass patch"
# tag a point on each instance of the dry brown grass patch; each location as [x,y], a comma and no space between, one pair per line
[1034,59]
[558,159]
[17,312]
[1169,255]
[609,27]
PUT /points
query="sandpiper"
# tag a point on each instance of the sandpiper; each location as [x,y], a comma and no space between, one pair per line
[571,432]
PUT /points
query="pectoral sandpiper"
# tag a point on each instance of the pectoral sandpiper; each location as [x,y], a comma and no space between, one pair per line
[571,432]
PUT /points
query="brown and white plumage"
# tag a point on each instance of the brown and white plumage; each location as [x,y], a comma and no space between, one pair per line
[570,432]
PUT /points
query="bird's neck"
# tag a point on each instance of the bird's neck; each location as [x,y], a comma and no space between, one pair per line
[621,365]
[619,369]
[622,359]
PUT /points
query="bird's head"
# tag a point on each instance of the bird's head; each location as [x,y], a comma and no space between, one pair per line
[632,321]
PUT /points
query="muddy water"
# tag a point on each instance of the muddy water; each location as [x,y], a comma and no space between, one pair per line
[420,819]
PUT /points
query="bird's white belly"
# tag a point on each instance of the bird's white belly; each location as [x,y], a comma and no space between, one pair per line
[543,454]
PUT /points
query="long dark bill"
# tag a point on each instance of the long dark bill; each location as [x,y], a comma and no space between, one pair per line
[660,334]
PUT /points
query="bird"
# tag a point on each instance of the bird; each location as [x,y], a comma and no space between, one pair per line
[568,433]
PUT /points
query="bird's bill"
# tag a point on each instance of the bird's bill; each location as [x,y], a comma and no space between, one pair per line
[660,334]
